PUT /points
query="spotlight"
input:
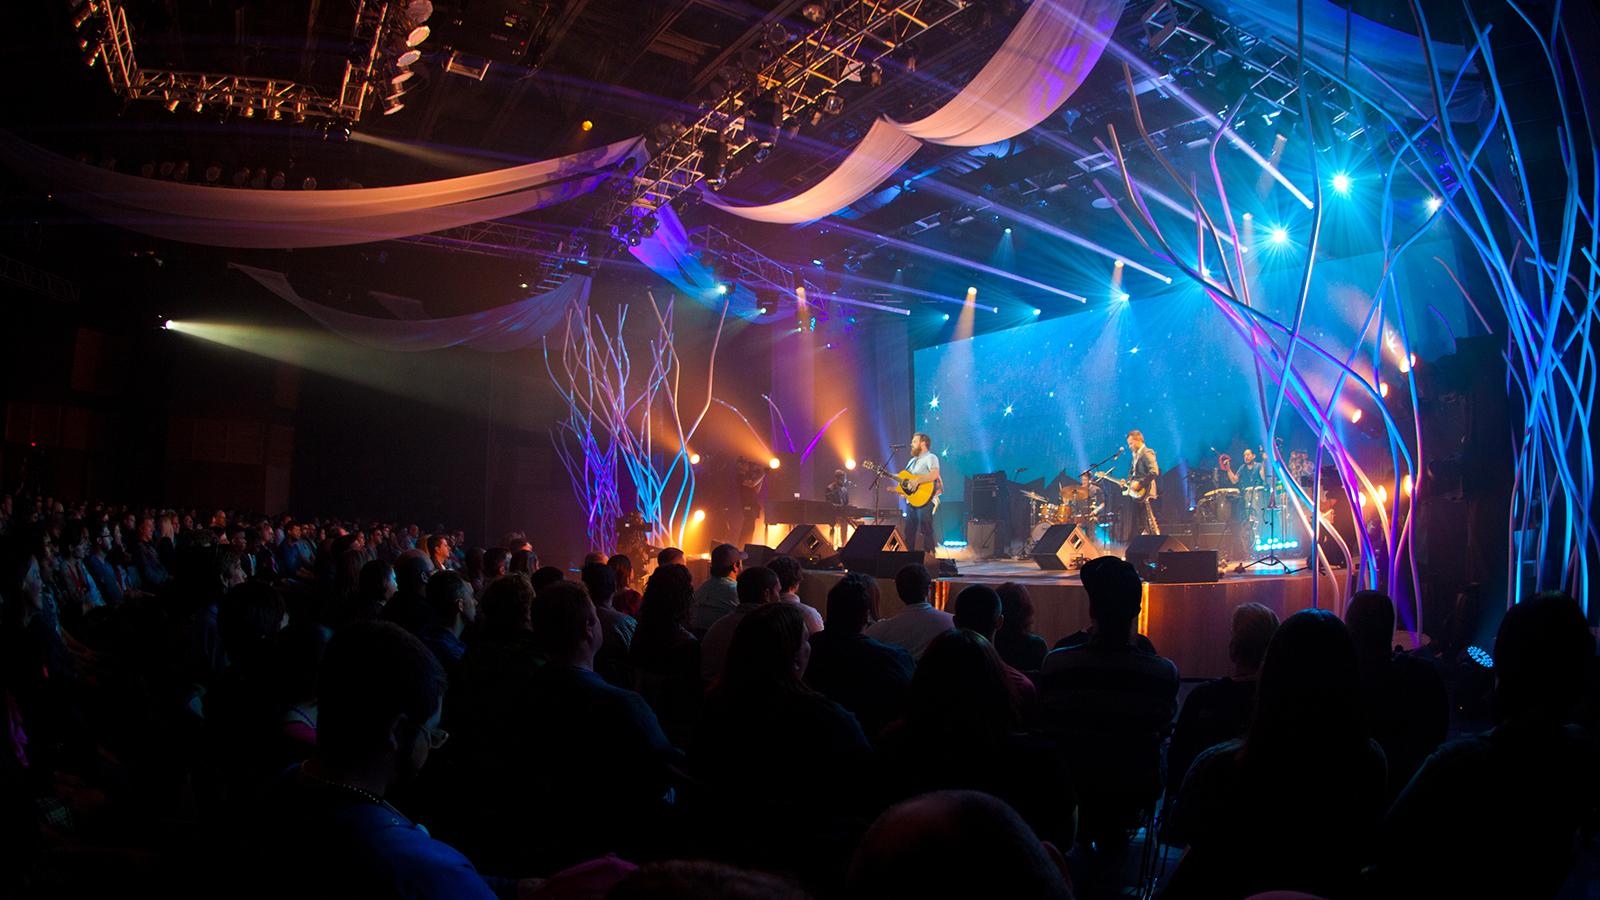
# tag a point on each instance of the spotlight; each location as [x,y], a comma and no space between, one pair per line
[722,289]
[1433,204]
[166,324]
[850,464]
[1008,231]
[418,11]
[1341,184]
[773,463]
[694,459]
[417,35]
[401,77]
[1383,494]
[946,317]
[393,107]
[1121,297]
[1279,235]
[699,515]
[1480,656]
[523,285]
[1037,311]
[1355,416]
[815,261]
[172,106]
[1383,389]
[1248,217]
[198,106]
[82,15]
[1406,485]
[814,13]
[410,56]
[764,311]
[1118,264]
[586,125]
[833,105]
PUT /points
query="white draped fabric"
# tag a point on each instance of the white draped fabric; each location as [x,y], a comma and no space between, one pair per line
[1044,60]
[514,326]
[237,217]
[1048,54]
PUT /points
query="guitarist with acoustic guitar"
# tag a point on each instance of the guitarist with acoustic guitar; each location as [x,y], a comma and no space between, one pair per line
[918,485]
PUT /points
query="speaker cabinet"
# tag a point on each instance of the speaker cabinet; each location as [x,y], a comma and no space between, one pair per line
[879,551]
[1143,549]
[1063,543]
[757,554]
[1185,567]
[985,540]
[808,544]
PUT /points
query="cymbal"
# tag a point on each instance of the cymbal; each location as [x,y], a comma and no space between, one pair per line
[1032,496]
[1074,492]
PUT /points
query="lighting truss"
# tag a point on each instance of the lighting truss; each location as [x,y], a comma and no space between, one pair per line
[106,36]
[32,278]
[755,269]
[805,73]
[558,255]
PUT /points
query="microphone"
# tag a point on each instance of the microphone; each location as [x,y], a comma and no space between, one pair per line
[1021,469]
[898,446]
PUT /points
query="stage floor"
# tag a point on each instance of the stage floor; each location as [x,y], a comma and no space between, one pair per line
[1188,623]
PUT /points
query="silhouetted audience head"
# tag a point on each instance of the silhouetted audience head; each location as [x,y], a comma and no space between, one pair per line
[852,603]
[756,585]
[593,557]
[670,556]
[565,627]
[411,571]
[379,696]
[955,844]
[1309,695]
[788,570]
[769,652]
[960,690]
[725,560]
[449,597]
[622,568]
[1115,595]
[523,561]
[1252,629]
[1016,606]
[978,609]
[703,880]
[496,561]
[296,654]
[546,576]
[506,606]
[1370,617]
[1541,653]
[377,581]
[668,597]
[600,581]
[247,618]
[912,584]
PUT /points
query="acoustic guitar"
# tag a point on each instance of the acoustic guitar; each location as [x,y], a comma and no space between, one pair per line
[1131,487]
[918,496]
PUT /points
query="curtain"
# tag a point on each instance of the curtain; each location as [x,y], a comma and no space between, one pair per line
[670,254]
[237,217]
[514,326]
[1044,60]
[1048,54]
[1393,55]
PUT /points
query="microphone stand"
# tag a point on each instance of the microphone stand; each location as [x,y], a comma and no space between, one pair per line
[1093,466]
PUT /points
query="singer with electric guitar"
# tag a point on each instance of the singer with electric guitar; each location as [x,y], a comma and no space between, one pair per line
[1140,485]
[918,484]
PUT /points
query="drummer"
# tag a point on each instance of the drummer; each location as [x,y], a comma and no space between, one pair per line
[1085,501]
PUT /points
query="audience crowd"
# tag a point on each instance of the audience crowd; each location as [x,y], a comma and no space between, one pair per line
[218,704]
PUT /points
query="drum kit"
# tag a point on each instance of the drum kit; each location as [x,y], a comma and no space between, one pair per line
[1078,505]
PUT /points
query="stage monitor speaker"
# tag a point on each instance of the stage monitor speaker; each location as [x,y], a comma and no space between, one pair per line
[1061,544]
[1185,567]
[985,540]
[757,554]
[809,545]
[1142,551]
[879,551]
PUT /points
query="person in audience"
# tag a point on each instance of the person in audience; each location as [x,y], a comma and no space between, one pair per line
[408,607]
[1503,813]
[374,587]
[1109,706]
[295,557]
[665,655]
[978,611]
[961,730]
[756,586]
[761,711]
[439,552]
[626,600]
[454,608]
[380,695]
[914,627]
[152,571]
[669,556]
[523,562]
[787,568]
[719,594]
[703,880]
[1252,813]
[600,787]
[544,576]
[869,678]
[1219,710]
[295,657]
[1407,709]
[79,594]
[101,568]
[472,567]
[1016,643]
[593,558]
[956,844]
[611,663]
[496,564]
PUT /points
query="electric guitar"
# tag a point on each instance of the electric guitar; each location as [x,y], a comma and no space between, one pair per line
[1131,487]
[919,496]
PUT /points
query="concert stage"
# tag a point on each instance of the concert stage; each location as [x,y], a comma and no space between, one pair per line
[1189,623]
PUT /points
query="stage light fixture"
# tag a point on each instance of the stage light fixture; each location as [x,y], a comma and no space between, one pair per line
[1383,389]
[1341,184]
[172,106]
[401,77]
[773,463]
[1406,485]
[945,317]
[722,289]
[419,11]
[1279,235]
[393,107]
[1433,204]
[586,125]
[1121,297]
[199,106]
[694,459]
[82,15]
[764,310]
[1008,231]
[850,464]
[1248,217]
[814,13]
[166,324]
[523,285]
[1383,494]
[1037,311]
[699,515]
[1355,416]
[410,56]
[818,262]
[1118,264]
[417,35]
